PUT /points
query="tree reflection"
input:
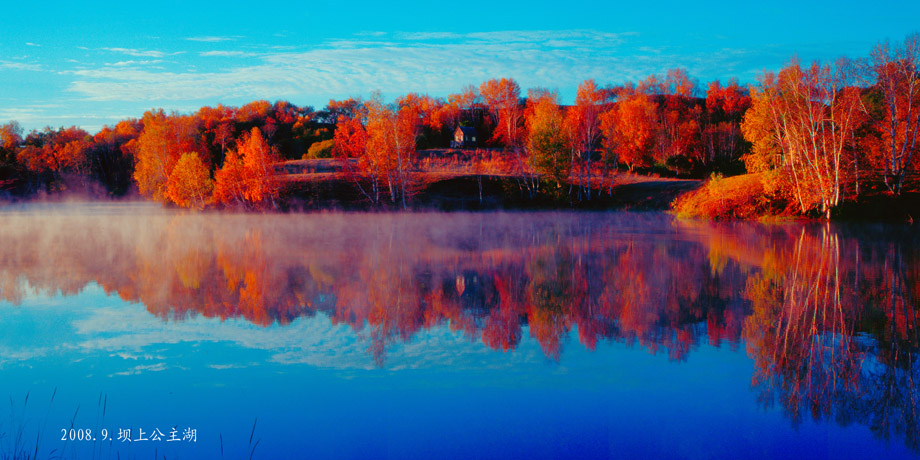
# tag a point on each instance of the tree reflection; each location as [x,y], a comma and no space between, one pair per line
[823,342]
[387,277]
[828,314]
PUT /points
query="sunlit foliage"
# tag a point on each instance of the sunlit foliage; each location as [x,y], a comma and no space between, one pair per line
[189,184]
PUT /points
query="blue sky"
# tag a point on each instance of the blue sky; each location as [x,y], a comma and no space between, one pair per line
[94,64]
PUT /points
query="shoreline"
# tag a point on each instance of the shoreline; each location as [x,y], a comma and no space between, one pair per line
[473,193]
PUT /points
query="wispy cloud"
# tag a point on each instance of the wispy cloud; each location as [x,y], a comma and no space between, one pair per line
[13,65]
[424,35]
[431,62]
[228,54]
[141,53]
[210,39]
[134,63]
[32,44]
[37,115]
[158,367]
[316,341]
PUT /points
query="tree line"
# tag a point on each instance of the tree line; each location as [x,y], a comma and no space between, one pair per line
[816,135]
[218,154]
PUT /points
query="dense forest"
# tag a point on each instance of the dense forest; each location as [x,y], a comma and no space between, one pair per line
[805,140]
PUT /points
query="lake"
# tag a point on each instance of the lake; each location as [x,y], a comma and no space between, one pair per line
[131,331]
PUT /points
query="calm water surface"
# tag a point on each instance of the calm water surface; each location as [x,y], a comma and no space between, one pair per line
[503,335]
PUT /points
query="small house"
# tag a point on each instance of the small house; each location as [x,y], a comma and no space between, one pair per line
[464,136]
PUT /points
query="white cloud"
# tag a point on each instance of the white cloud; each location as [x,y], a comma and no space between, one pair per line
[141,53]
[143,368]
[134,63]
[12,65]
[39,115]
[436,63]
[427,35]
[228,54]
[131,331]
[413,62]
[210,39]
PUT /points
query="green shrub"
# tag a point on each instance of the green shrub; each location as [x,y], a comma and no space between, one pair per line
[321,149]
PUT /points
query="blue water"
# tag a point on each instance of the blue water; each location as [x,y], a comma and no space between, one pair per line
[311,386]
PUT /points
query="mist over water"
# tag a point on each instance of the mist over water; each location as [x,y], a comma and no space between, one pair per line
[805,329]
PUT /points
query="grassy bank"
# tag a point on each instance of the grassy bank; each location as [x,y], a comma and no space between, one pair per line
[738,197]
[750,197]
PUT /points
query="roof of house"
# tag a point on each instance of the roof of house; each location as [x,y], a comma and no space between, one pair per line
[467,130]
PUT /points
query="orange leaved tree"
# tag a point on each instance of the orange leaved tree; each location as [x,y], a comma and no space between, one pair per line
[247,176]
[811,114]
[582,122]
[629,130]
[189,184]
[158,148]
[896,73]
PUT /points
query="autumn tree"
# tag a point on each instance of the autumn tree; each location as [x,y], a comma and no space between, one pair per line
[159,146]
[10,141]
[230,181]
[897,74]
[679,116]
[452,112]
[629,129]
[722,141]
[547,143]
[381,149]
[335,110]
[253,114]
[582,123]
[56,150]
[258,160]
[390,147]
[610,143]
[653,85]
[424,117]
[189,184]
[678,83]
[247,176]
[112,155]
[503,97]
[218,128]
[757,127]
[350,147]
[868,149]
[281,123]
[678,134]
[809,118]
[679,120]
[415,114]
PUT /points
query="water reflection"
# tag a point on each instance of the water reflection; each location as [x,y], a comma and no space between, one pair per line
[828,313]
[388,277]
[833,332]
